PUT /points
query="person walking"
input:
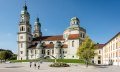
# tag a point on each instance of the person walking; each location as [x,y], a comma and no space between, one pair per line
[30,64]
[38,65]
[35,64]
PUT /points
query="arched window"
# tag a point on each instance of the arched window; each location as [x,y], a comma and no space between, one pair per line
[72,43]
[21,58]
[51,42]
[43,43]
[48,52]
[60,51]
[35,35]
[36,43]
[43,51]
[81,34]
[22,28]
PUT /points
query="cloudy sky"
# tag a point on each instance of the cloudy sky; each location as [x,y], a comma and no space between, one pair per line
[101,18]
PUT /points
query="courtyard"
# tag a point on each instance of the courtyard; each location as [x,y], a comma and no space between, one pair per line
[44,67]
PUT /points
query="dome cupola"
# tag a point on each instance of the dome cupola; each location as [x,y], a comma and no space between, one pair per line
[74,21]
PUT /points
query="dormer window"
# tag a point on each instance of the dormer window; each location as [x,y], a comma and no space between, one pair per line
[51,42]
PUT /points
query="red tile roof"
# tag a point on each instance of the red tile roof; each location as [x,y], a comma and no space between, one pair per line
[48,46]
[53,38]
[32,47]
[52,46]
[100,45]
[65,46]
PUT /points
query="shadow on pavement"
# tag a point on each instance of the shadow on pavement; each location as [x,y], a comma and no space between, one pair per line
[101,66]
[14,67]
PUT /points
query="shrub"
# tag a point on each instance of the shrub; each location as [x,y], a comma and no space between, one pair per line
[59,64]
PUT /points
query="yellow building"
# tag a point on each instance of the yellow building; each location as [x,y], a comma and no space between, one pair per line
[111,51]
[98,59]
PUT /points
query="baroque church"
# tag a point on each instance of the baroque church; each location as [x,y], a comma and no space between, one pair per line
[34,45]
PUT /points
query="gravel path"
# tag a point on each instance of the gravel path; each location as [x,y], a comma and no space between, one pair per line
[24,67]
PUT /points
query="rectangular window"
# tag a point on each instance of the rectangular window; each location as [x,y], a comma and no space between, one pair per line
[48,52]
[99,52]
[72,43]
[60,51]
[43,51]
[21,45]
[116,45]
[35,51]
[21,52]
[52,51]
[21,37]
[63,52]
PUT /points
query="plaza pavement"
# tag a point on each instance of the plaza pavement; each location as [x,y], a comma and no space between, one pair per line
[44,67]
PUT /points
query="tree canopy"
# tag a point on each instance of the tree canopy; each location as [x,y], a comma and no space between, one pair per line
[86,50]
[7,55]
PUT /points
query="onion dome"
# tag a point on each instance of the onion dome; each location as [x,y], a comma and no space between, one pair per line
[25,7]
[24,11]
[37,22]
[74,18]
[74,21]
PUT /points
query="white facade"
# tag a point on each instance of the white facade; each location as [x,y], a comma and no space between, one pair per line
[34,45]
[111,51]
[98,58]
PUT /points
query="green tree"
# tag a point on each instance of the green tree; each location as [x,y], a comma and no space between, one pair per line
[14,57]
[4,55]
[86,50]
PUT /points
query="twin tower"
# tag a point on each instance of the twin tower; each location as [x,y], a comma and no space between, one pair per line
[71,38]
[25,35]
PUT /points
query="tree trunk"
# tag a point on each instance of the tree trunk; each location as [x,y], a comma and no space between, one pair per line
[86,63]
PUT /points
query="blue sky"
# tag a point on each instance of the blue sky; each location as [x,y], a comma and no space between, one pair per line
[101,18]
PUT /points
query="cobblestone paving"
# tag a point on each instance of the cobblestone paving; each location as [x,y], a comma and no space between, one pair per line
[24,67]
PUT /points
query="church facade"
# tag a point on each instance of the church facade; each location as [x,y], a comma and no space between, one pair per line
[33,45]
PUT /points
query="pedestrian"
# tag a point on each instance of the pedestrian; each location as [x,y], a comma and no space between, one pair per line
[30,64]
[35,64]
[38,65]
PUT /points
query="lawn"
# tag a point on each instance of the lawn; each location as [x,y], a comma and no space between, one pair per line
[52,60]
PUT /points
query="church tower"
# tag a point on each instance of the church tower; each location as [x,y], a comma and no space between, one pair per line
[37,28]
[24,34]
